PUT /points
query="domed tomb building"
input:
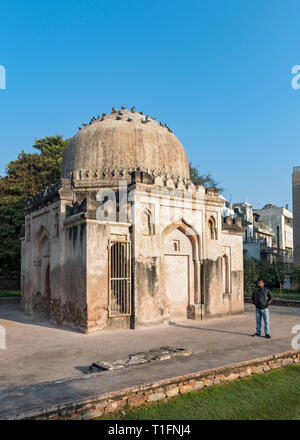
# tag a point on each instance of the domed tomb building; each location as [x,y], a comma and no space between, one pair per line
[125,239]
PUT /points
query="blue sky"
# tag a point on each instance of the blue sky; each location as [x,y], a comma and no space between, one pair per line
[217,72]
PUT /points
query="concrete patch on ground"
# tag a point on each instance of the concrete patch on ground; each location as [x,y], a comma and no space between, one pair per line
[160,354]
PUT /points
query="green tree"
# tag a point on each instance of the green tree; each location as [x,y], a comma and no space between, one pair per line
[251,271]
[25,176]
[295,275]
[203,179]
[280,273]
[273,274]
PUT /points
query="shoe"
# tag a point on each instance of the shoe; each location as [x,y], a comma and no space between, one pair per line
[256,334]
[268,336]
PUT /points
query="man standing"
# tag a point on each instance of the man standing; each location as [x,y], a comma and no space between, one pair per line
[261,298]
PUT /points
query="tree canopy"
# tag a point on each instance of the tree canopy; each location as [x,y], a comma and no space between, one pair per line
[203,179]
[25,176]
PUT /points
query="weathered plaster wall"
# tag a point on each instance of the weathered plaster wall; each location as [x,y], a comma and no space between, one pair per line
[97,274]
[98,236]
[60,294]
[69,304]
[37,251]
[296,214]
[152,244]
[236,300]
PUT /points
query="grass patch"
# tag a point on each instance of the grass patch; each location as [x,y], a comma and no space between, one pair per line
[274,395]
[9,293]
[286,294]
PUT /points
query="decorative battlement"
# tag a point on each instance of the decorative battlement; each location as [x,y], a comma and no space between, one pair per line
[146,176]
[232,225]
[44,197]
[212,191]
[76,208]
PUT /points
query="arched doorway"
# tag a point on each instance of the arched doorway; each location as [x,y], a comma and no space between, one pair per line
[181,269]
[41,262]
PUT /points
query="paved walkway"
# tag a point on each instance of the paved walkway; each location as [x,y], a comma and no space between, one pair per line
[42,366]
[37,352]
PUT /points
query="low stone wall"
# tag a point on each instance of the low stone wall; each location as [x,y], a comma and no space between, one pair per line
[282,302]
[10,300]
[166,389]
[9,283]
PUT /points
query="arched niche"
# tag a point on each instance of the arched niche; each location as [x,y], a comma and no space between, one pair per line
[41,269]
[212,228]
[226,274]
[180,267]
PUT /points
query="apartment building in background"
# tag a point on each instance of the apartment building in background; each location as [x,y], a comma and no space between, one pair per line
[268,232]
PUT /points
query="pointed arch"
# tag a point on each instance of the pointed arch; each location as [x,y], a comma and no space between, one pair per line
[225,274]
[147,221]
[212,228]
[56,225]
[41,264]
[193,235]
[194,295]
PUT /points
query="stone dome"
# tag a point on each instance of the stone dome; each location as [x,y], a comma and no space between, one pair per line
[119,143]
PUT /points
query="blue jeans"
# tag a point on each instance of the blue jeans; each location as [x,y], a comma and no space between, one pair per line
[265,315]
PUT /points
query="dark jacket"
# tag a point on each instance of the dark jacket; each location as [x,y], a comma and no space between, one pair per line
[261,297]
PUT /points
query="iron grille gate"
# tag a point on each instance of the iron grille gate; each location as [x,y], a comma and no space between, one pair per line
[119,278]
